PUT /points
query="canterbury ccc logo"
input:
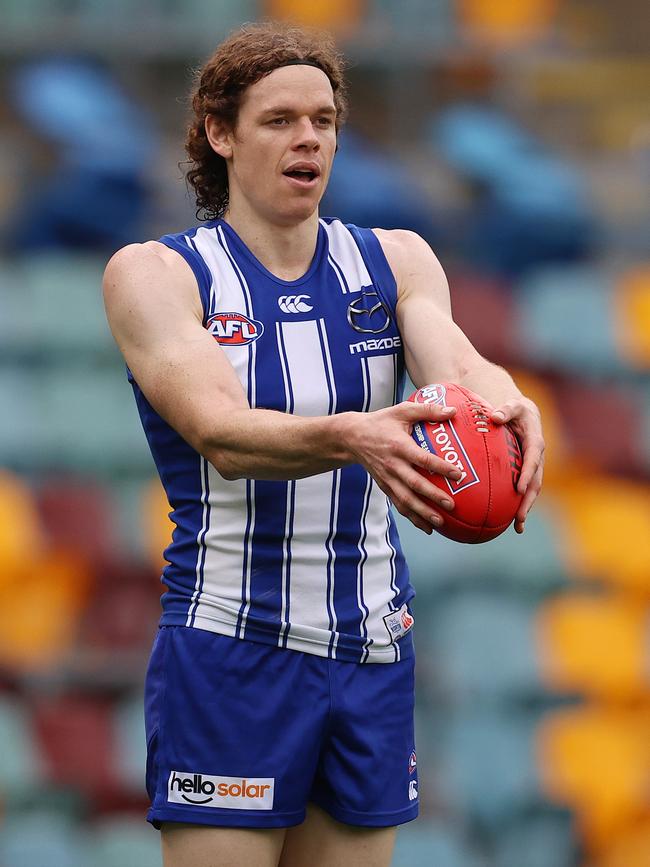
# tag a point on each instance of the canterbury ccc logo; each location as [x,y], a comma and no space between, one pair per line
[234,329]
[294,303]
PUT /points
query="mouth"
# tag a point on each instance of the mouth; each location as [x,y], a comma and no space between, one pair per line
[303,178]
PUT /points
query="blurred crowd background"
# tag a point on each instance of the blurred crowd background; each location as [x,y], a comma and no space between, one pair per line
[515,136]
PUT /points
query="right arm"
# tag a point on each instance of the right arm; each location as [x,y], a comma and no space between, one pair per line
[155,314]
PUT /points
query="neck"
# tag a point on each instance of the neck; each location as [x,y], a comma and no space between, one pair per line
[284,250]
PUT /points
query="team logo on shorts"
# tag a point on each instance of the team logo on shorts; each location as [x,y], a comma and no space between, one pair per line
[413,762]
[233,793]
[234,329]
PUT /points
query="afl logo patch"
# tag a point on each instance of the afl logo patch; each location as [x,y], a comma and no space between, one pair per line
[234,329]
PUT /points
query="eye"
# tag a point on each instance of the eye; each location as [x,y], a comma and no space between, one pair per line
[279,121]
[324,121]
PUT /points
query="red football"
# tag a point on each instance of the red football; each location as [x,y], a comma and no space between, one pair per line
[487,454]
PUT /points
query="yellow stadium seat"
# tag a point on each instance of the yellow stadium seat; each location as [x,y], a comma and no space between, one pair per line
[341,16]
[157,525]
[508,20]
[630,849]
[632,317]
[596,760]
[596,646]
[21,534]
[40,610]
[605,530]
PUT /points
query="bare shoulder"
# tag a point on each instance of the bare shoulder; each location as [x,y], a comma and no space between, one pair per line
[411,259]
[151,269]
[141,258]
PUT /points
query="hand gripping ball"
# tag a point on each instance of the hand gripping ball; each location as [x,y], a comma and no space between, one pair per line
[487,454]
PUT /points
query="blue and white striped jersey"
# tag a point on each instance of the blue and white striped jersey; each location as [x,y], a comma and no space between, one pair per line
[313,564]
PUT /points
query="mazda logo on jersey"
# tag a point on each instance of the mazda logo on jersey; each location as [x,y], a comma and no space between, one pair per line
[368,314]
[234,329]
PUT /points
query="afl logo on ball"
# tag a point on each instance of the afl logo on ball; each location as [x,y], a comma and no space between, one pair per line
[431,394]
[234,329]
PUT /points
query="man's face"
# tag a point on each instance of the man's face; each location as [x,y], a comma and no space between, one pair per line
[283,144]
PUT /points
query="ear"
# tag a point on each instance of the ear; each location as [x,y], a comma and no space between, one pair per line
[219,136]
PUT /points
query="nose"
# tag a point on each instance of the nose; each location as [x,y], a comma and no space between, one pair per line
[306,137]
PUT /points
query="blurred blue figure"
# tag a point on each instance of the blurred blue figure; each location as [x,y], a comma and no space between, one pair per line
[370,188]
[530,207]
[97,196]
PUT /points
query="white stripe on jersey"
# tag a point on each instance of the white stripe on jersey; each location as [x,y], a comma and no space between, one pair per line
[200,540]
[379,380]
[311,389]
[229,536]
[344,252]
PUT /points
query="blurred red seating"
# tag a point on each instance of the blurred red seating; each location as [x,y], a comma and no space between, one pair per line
[76,738]
[484,309]
[604,426]
[124,609]
[78,514]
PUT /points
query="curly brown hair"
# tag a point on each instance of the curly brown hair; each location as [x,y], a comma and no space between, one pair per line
[242,59]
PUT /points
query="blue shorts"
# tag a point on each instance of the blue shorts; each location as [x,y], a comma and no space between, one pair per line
[242,734]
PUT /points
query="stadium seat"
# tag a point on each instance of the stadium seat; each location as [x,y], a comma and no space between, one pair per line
[594,645]
[603,522]
[76,739]
[44,839]
[482,647]
[528,566]
[604,426]
[630,848]
[22,432]
[341,16]
[121,615]
[156,526]
[21,768]
[487,764]
[545,838]
[63,295]
[433,844]
[124,841]
[565,320]
[40,610]
[21,531]
[632,322]
[77,515]
[93,424]
[596,759]
[130,746]
[479,303]
[509,21]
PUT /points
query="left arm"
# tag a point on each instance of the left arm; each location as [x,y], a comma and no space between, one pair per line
[436,350]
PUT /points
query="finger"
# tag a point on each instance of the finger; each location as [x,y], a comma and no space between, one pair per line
[507,412]
[418,511]
[433,464]
[525,506]
[533,452]
[501,415]
[414,412]
[428,491]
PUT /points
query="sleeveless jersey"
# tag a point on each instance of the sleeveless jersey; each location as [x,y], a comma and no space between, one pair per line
[313,564]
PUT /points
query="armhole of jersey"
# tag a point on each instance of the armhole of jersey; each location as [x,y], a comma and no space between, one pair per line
[377,264]
[196,263]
